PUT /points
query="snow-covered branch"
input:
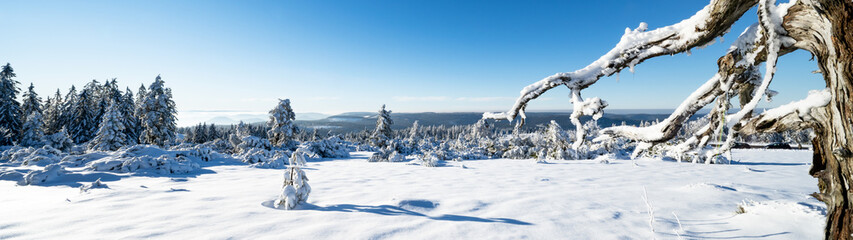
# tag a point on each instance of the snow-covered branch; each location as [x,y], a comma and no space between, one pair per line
[590,107]
[737,66]
[794,115]
[638,45]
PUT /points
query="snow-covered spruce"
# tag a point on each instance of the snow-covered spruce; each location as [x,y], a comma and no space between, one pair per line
[111,134]
[281,125]
[157,114]
[295,189]
[32,132]
[558,142]
[31,103]
[83,117]
[127,107]
[383,131]
[53,114]
[10,109]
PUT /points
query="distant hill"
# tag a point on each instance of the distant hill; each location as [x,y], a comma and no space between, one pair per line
[357,121]
[259,118]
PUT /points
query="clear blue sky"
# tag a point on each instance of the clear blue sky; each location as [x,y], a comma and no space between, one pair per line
[344,56]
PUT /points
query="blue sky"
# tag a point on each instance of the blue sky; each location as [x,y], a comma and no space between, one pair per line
[344,56]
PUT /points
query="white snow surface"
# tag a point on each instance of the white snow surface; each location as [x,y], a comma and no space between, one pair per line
[484,199]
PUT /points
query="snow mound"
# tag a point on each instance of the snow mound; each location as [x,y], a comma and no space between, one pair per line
[43,156]
[145,158]
[782,215]
[95,184]
[49,173]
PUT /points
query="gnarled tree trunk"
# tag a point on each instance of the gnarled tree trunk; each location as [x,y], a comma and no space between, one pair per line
[825,28]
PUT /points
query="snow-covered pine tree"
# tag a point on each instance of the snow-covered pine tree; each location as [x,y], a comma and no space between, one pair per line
[98,100]
[110,136]
[200,133]
[281,125]
[53,113]
[31,103]
[212,133]
[131,121]
[414,135]
[10,109]
[383,131]
[295,189]
[158,115]
[69,104]
[140,98]
[32,132]
[83,124]
[6,137]
[111,91]
[239,132]
[557,140]
[480,129]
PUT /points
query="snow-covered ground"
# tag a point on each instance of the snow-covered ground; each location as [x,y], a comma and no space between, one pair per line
[482,199]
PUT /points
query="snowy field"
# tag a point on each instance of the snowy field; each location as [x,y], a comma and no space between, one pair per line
[481,199]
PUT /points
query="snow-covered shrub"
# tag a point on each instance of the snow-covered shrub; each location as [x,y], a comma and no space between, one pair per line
[254,155]
[42,156]
[145,158]
[252,142]
[366,148]
[49,173]
[396,157]
[273,162]
[295,189]
[381,155]
[543,154]
[82,159]
[202,152]
[516,152]
[59,140]
[7,154]
[261,158]
[220,145]
[298,158]
[32,156]
[332,147]
[430,159]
